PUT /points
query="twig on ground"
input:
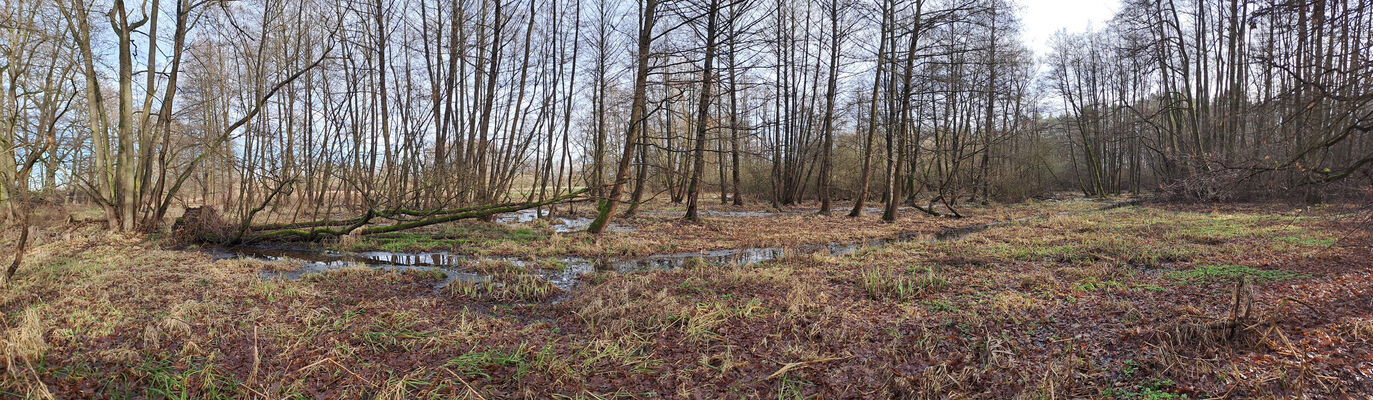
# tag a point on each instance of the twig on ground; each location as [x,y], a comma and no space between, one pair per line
[793,365]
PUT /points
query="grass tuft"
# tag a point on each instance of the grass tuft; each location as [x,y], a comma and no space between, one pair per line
[24,343]
[882,284]
[517,288]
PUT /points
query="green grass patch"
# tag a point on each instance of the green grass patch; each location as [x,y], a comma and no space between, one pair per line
[66,266]
[476,363]
[792,387]
[199,380]
[1091,284]
[1308,240]
[397,330]
[1216,228]
[1214,273]
[272,291]
[1151,390]
[940,305]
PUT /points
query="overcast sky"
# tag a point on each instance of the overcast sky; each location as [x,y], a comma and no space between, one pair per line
[1044,17]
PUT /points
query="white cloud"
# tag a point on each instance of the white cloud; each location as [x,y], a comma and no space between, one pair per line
[1042,18]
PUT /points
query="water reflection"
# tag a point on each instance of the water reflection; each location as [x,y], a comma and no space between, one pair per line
[566,275]
[568,272]
[560,224]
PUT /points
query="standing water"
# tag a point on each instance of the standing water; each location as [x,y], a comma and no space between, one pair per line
[457,267]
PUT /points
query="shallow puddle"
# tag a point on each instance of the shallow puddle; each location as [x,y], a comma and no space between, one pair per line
[454,267]
[557,224]
[759,214]
[566,277]
[568,271]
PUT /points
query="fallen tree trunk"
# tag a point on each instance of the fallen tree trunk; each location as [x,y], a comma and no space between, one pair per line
[304,235]
[334,228]
[395,213]
[307,224]
[400,226]
[398,211]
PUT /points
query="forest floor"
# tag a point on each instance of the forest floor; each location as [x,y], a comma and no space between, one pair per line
[1154,301]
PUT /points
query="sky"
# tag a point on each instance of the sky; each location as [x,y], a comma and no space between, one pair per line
[1041,18]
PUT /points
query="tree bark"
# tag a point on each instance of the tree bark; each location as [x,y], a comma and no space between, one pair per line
[637,115]
[702,115]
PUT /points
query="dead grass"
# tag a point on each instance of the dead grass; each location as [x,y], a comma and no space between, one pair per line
[23,346]
[1073,306]
[1361,330]
[504,288]
[24,342]
[901,285]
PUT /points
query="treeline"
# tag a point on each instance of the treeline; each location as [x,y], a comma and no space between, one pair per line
[300,111]
[1215,99]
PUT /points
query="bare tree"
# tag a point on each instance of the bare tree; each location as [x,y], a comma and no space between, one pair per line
[638,115]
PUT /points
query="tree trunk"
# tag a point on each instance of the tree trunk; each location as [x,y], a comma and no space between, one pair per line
[637,115]
[702,115]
